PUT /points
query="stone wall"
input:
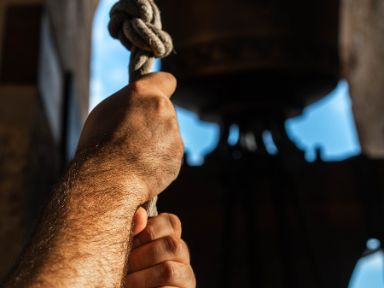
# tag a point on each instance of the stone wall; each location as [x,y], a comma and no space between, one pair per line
[72,24]
[44,77]
[28,167]
[363,60]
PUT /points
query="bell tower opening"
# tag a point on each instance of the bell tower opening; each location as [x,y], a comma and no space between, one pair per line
[325,132]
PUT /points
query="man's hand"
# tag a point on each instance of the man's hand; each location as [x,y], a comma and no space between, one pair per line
[159,257]
[136,132]
[130,150]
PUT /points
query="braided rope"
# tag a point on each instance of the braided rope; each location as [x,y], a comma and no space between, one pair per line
[137,24]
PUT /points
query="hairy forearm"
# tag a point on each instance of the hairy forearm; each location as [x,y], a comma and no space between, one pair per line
[84,236]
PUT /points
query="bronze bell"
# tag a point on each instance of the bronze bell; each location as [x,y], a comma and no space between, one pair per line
[252,57]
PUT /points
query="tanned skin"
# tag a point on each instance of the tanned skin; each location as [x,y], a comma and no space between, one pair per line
[130,150]
[159,258]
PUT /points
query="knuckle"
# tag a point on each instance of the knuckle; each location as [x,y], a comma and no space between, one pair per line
[160,105]
[170,271]
[149,233]
[163,104]
[175,222]
[173,245]
[137,87]
[169,77]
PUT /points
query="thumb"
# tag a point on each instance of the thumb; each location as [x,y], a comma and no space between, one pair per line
[140,220]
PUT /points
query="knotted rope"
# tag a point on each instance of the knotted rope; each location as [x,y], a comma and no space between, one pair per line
[137,24]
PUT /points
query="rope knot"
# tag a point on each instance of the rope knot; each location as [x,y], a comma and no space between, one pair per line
[137,24]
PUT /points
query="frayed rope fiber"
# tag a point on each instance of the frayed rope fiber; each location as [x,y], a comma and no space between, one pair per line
[137,24]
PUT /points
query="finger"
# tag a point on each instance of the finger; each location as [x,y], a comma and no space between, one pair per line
[166,274]
[159,227]
[154,83]
[161,250]
[140,220]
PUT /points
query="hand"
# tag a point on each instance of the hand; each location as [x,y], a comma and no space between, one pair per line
[135,135]
[130,150]
[159,257]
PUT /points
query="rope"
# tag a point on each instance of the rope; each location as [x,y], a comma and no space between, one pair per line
[137,24]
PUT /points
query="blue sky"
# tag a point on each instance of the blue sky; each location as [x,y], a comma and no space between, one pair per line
[327,124]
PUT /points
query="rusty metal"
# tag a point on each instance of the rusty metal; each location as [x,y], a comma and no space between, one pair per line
[267,220]
[262,57]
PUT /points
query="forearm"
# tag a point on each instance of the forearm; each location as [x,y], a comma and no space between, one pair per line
[83,239]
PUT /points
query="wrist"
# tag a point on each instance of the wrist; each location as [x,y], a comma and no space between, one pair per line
[94,208]
[108,175]
[86,225]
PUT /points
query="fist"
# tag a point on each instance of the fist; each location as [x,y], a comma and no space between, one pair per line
[135,133]
[159,257]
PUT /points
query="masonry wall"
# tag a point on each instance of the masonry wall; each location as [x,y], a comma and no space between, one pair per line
[362,45]
[44,80]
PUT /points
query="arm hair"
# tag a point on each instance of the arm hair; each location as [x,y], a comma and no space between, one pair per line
[83,238]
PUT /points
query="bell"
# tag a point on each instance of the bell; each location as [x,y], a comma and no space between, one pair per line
[256,58]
